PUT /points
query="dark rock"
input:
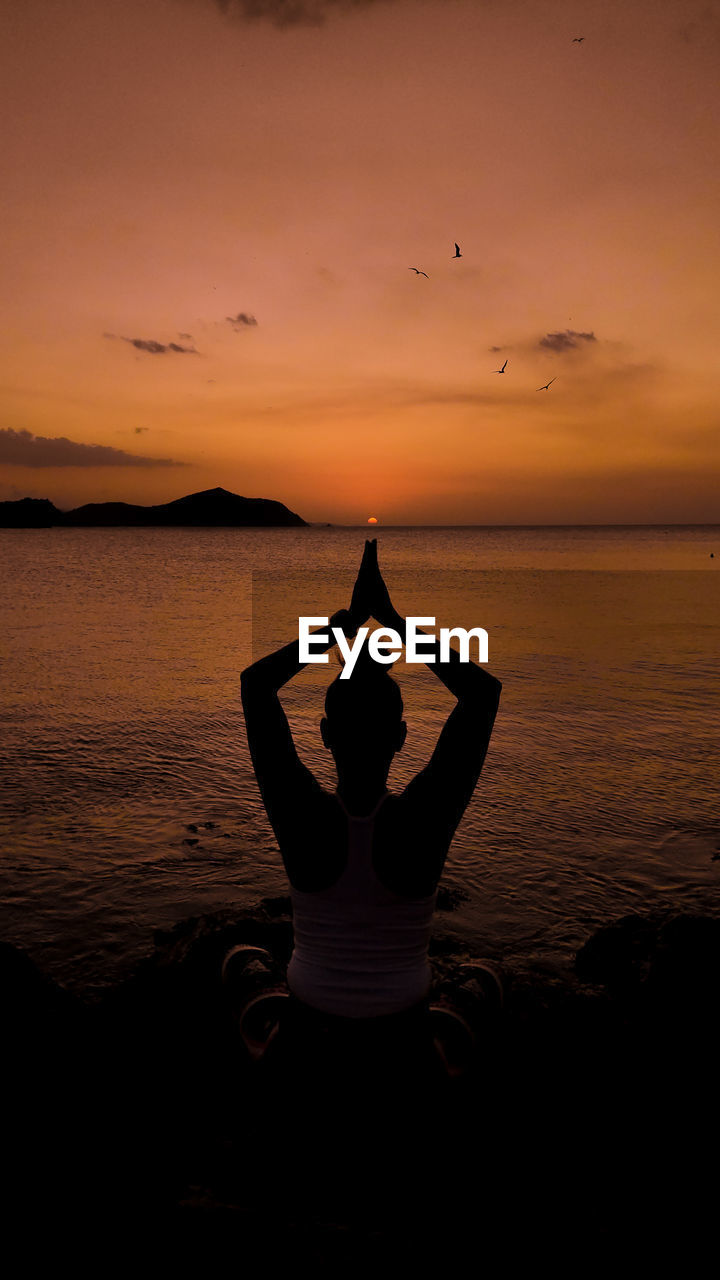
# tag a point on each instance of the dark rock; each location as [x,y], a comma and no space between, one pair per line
[663,973]
[280,906]
[27,996]
[573,1100]
[619,956]
[664,950]
[449,899]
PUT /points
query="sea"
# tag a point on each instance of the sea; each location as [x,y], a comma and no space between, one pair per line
[127,795]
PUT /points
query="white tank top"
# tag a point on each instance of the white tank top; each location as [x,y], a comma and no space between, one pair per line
[360,950]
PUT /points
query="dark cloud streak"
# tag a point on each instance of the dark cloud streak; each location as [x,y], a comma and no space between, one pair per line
[159,348]
[152,347]
[23,449]
[565,340]
[241,320]
[292,13]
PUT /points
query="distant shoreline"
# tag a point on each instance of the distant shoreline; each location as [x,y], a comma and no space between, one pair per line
[212,508]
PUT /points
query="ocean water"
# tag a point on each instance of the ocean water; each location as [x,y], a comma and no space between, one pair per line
[121,726]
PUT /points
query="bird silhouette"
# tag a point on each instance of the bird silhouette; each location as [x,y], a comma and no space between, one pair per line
[547,385]
[457,253]
[501,370]
[419,273]
[578,39]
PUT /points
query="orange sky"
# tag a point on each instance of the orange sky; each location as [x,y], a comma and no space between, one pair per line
[168,165]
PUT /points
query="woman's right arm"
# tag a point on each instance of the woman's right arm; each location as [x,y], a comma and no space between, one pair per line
[280,772]
[445,786]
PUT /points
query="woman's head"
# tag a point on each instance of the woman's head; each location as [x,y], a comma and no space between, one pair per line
[363,723]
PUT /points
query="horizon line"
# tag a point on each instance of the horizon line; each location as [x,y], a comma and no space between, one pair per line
[615,524]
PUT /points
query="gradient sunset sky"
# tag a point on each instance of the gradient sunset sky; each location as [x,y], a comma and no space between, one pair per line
[211,209]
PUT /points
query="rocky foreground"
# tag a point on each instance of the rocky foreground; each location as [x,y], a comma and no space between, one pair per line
[583,1133]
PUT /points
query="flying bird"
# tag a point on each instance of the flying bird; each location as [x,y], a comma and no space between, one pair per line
[547,385]
[578,39]
[501,370]
[419,273]
[457,253]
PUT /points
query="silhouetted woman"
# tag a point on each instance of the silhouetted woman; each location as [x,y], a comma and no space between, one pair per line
[364,863]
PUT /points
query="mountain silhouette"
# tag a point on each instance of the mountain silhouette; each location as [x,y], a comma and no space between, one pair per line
[212,508]
[29,513]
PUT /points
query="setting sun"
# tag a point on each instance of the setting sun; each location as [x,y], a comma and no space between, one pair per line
[372,519]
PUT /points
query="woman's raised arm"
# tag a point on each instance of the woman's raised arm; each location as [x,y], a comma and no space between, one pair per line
[444,787]
[278,768]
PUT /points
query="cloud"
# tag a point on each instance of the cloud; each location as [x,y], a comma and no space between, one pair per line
[187,337]
[143,344]
[23,449]
[241,320]
[494,350]
[701,24]
[152,347]
[565,340]
[158,348]
[139,430]
[291,13]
